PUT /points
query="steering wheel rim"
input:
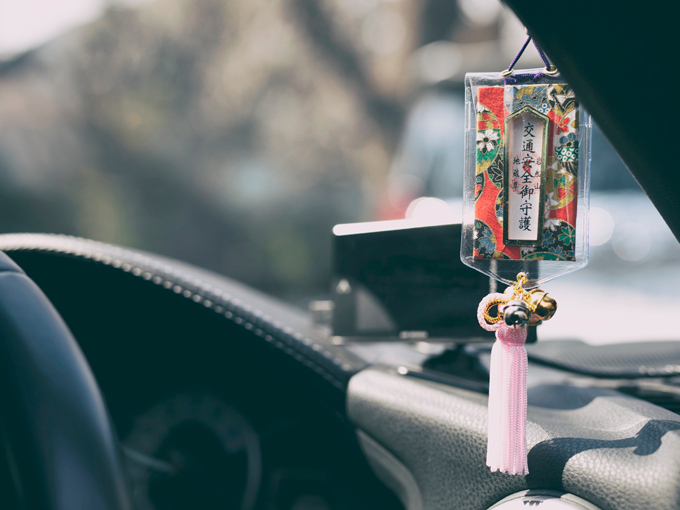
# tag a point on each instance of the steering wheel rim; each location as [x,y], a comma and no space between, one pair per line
[63,447]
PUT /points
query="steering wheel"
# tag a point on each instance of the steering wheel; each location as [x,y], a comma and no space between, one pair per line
[60,444]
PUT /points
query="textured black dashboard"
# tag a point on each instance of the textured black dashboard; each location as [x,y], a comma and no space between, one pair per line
[150,326]
[614,451]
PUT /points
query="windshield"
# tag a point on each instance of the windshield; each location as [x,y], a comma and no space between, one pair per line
[235,135]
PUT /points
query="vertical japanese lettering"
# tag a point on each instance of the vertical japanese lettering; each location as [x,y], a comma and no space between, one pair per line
[525,145]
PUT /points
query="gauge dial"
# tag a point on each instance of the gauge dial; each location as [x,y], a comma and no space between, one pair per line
[193,450]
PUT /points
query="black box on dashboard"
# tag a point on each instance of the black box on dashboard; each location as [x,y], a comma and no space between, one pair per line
[400,279]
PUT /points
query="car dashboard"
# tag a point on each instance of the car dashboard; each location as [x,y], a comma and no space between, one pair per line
[225,398]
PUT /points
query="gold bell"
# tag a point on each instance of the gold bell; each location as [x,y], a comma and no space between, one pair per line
[542,306]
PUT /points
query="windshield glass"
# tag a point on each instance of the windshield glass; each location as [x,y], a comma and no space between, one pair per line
[235,135]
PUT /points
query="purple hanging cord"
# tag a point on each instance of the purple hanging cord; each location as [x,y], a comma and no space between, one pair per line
[549,69]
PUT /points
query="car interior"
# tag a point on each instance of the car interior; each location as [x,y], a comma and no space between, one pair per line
[135,381]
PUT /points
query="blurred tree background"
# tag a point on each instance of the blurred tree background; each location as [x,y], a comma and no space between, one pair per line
[234,134]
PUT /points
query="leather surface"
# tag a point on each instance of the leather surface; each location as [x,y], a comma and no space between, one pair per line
[261,320]
[617,58]
[614,451]
[53,415]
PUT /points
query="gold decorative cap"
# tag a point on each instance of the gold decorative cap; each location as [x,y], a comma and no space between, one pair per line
[543,307]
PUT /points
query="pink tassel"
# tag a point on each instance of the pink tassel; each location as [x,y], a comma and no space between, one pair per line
[507,447]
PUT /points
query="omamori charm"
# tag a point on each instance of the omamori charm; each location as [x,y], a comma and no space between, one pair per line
[527,168]
[526,172]
[514,311]
[525,222]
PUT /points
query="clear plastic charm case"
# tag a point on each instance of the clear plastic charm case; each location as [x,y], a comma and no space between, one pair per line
[527,176]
